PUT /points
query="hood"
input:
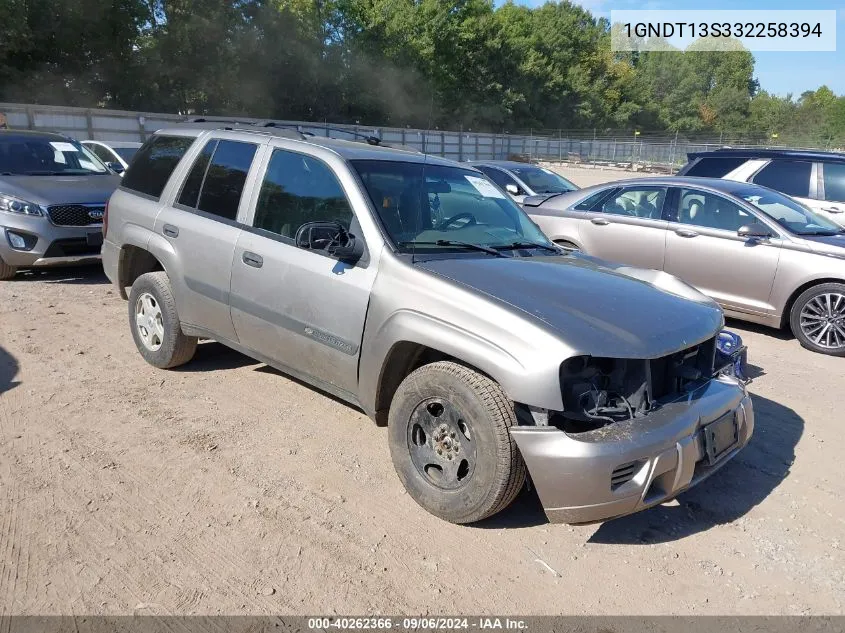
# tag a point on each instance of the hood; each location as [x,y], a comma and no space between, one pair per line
[47,190]
[596,307]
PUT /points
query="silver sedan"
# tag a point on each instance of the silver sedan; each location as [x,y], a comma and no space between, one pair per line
[761,255]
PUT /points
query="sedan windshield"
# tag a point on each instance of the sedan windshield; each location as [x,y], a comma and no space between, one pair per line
[446,208]
[22,155]
[543,180]
[791,215]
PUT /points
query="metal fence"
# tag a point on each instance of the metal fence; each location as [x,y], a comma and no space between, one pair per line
[656,150]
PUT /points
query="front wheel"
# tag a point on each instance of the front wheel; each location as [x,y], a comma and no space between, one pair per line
[450,442]
[817,319]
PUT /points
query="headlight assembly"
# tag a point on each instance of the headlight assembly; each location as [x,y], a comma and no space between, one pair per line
[10,204]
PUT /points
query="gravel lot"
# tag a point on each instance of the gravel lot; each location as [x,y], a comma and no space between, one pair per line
[226,487]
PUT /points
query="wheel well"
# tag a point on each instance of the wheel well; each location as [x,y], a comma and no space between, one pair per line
[784,319]
[134,262]
[403,358]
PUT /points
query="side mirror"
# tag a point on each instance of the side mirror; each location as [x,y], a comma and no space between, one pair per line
[332,238]
[754,230]
[116,167]
[512,189]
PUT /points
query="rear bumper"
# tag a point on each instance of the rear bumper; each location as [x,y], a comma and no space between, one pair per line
[664,453]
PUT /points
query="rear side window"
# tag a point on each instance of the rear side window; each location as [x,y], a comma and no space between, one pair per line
[834,182]
[154,163]
[791,177]
[713,167]
[217,178]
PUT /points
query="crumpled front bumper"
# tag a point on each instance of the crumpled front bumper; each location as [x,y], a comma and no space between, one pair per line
[584,477]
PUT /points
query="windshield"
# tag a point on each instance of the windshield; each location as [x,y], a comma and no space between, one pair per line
[126,153]
[451,205]
[543,180]
[44,156]
[791,215]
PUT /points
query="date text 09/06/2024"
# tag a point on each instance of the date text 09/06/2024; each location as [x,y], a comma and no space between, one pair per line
[417,623]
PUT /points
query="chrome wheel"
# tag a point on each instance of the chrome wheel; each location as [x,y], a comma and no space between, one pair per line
[148,321]
[822,320]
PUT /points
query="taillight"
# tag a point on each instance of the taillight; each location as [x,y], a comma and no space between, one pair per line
[106,219]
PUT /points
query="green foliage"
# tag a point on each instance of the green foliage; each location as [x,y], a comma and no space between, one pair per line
[443,63]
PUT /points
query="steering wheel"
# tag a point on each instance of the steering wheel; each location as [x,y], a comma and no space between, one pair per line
[444,225]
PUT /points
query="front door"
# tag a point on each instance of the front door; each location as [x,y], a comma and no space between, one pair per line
[300,308]
[627,227]
[703,249]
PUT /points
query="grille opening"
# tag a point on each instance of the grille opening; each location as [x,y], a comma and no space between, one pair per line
[621,475]
[601,391]
[76,214]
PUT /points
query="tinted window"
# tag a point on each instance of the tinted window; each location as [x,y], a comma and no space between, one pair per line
[191,189]
[35,155]
[640,202]
[700,208]
[498,176]
[713,167]
[791,177]
[834,182]
[299,189]
[543,180]
[126,153]
[591,203]
[154,164]
[102,153]
[224,180]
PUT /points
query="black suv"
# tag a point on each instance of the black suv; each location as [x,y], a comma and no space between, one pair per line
[817,179]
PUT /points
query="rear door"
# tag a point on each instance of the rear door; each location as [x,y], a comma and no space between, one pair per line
[627,226]
[302,308]
[703,249]
[202,227]
[831,201]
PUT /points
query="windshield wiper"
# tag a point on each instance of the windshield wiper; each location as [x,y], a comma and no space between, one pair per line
[829,232]
[477,247]
[515,245]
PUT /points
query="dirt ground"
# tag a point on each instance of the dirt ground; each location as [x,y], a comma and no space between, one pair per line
[226,487]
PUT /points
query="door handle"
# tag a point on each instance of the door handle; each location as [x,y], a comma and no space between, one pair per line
[251,259]
[686,233]
[832,209]
[600,221]
[170,231]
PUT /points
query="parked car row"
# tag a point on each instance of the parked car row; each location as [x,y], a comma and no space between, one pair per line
[418,290]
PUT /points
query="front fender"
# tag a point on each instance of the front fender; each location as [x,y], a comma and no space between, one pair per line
[536,382]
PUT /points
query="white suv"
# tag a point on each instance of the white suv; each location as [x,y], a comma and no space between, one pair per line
[816,179]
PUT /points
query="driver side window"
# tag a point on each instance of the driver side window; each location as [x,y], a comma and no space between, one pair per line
[299,189]
[639,202]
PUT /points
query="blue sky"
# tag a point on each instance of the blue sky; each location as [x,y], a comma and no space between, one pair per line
[778,72]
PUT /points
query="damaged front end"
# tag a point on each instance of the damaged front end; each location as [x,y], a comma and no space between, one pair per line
[636,432]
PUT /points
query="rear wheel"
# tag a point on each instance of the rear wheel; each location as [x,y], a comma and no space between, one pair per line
[6,271]
[450,442]
[817,319]
[155,324]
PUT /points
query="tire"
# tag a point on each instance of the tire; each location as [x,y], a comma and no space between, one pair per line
[160,340]
[6,271]
[817,328]
[467,416]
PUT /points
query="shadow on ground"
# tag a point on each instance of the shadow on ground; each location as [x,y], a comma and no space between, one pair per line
[214,356]
[726,496]
[8,371]
[79,275]
[781,334]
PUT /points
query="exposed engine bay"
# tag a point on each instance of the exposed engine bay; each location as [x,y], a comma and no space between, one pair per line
[600,391]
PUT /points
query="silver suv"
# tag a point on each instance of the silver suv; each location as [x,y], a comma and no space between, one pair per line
[53,194]
[415,289]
